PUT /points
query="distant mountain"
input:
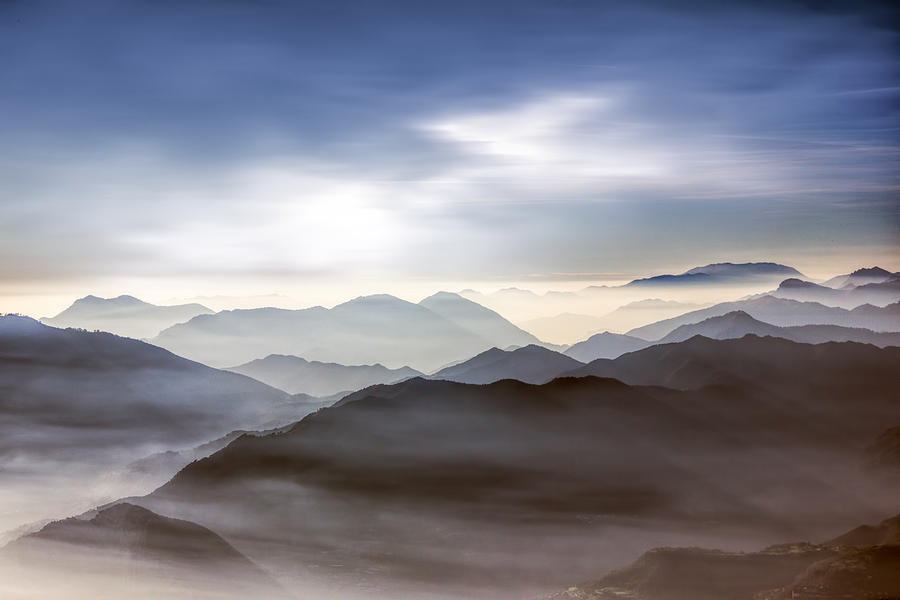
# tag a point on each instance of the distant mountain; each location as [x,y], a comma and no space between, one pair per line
[783,313]
[722,274]
[564,328]
[830,571]
[124,315]
[531,364]
[861,277]
[477,319]
[296,375]
[372,329]
[880,294]
[76,403]
[152,553]
[737,324]
[605,345]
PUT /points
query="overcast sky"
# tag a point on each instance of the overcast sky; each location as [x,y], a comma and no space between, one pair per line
[163,148]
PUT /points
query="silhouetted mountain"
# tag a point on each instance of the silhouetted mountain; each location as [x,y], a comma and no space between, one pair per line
[861,277]
[436,479]
[371,329]
[152,551]
[737,324]
[722,274]
[783,313]
[531,364]
[885,533]
[799,571]
[75,403]
[296,375]
[880,294]
[605,345]
[477,319]
[125,315]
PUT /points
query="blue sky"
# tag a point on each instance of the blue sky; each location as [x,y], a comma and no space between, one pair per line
[149,144]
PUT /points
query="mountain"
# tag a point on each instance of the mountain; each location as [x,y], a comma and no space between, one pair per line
[829,571]
[861,277]
[766,363]
[605,345]
[75,403]
[124,315]
[783,313]
[880,294]
[504,489]
[564,328]
[737,324]
[296,375]
[477,319]
[153,555]
[531,364]
[722,274]
[371,329]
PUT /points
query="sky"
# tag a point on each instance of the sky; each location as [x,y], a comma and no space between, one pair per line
[326,149]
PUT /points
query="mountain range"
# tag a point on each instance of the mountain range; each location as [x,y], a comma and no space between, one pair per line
[722,274]
[124,315]
[737,324]
[783,313]
[371,329]
[296,375]
[861,277]
[879,294]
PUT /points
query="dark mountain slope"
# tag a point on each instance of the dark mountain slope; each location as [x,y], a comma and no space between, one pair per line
[531,364]
[124,315]
[296,375]
[799,571]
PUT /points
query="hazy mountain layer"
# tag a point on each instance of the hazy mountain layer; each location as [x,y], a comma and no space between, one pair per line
[75,403]
[124,315]
[783,313]
[373,329]
[737,324]
[296,375]
[878,294]
[861,277]
[605,345]
[478,319]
